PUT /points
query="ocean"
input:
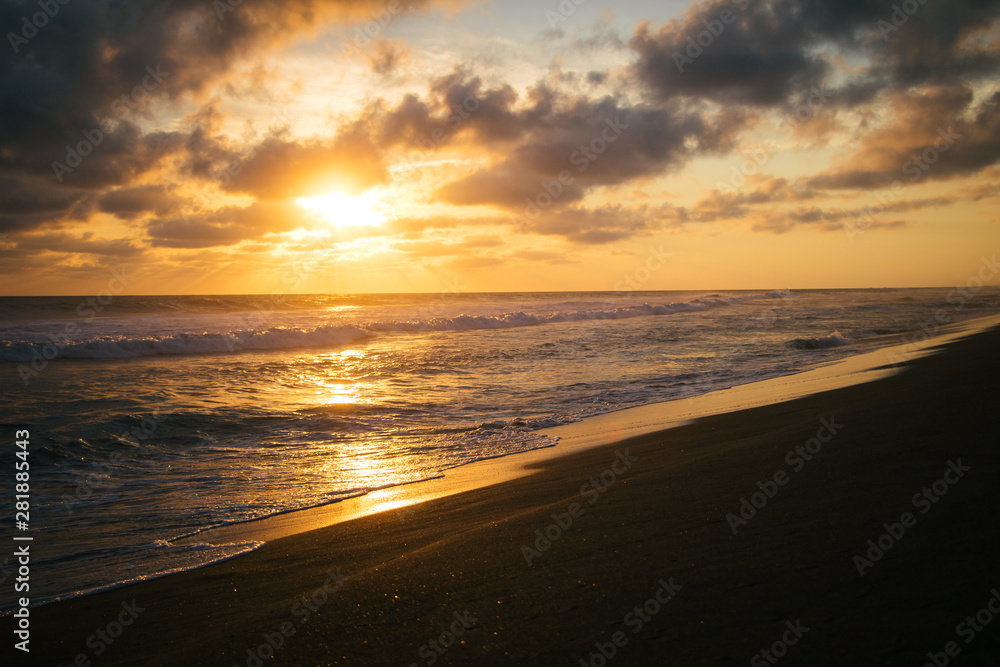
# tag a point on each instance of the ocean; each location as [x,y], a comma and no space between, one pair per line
[152,418]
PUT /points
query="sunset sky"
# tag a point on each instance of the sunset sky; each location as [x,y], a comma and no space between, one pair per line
[399,146]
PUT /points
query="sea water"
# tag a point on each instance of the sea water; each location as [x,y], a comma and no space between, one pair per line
[152,418]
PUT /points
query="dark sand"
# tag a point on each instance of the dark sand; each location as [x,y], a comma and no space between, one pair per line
[411,570]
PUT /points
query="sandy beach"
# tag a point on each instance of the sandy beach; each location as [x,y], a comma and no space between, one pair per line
[855,526]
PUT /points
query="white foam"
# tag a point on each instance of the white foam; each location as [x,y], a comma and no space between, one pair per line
[836,339]
[124,347]
[206,342]
[242,549]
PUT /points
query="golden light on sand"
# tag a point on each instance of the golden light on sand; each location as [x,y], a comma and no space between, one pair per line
[343,210]
[391,505]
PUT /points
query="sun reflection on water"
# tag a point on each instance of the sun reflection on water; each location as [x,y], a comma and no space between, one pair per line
[338,393]
[339,386]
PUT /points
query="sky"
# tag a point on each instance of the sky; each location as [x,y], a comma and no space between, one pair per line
[303,146]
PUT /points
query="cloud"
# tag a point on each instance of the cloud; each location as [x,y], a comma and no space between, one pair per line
[936,132]
[279,168]
[578,144]
[751,62]
[386,56]
[778,224]
[115,84]
[225,226]
[602,36]
[26,202]
[61,243]
[774,206]
[128,203]
[88,79]
[596,78]
[770,53]
[603,225]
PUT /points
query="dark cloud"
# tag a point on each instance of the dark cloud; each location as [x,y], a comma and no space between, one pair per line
[596,78]
[769,53]
[81,92]
[223,227]
[61,243]
[281,168]
[579,144]
[936,133]
[766,191]
[490,112]
[387,56]
[603,225]
[25,202]
[128,203]
[775,206]
[746,64]
[783,224]
[76,90]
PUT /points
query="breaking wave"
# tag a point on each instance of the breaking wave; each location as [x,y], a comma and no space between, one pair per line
[195,343]
[184,344]
[824,342]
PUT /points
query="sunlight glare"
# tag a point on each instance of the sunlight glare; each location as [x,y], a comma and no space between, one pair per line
[346,211]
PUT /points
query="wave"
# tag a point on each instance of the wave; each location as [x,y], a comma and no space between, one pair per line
[124,347]
[824,342]
[222,553]
[521,319]
[184,344]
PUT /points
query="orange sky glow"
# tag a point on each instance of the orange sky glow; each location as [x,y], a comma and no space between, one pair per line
[427,146]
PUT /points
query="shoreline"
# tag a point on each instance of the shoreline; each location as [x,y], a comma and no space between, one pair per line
[406,572]
[590,432]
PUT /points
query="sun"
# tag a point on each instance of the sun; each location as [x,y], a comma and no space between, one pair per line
[343,210]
